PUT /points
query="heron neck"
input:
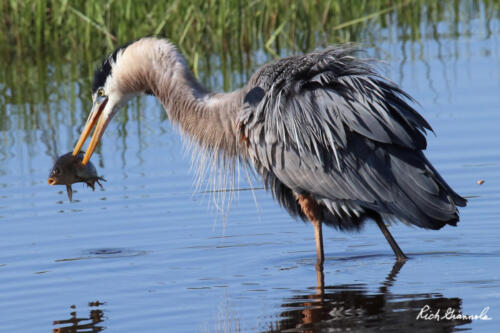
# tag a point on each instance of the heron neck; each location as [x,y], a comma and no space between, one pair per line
[207,118]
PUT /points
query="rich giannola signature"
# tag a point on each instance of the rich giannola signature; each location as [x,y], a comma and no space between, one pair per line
[427,313]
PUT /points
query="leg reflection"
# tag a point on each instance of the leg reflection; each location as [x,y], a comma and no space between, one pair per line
[359,307]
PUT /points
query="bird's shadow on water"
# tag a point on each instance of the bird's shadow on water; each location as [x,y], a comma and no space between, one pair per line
[354,307]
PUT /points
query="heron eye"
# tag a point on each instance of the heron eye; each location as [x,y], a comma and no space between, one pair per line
[56,171]
[100,92]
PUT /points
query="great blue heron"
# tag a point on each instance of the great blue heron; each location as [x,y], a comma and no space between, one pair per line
[334,141]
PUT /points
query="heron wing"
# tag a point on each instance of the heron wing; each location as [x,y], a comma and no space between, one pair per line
[326,124]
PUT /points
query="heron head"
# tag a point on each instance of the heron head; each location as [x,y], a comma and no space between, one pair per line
[113,86]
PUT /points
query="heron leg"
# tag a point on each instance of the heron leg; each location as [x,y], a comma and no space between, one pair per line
[318,236]
[311,210]
[320,256]
[395,247]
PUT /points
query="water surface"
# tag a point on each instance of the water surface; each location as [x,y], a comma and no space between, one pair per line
[146,254]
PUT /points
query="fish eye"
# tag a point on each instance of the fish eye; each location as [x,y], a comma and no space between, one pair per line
[100,92]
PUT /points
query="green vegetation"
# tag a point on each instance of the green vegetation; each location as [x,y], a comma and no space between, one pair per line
[49,48]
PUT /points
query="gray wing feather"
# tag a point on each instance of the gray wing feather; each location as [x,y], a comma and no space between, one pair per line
[328,125]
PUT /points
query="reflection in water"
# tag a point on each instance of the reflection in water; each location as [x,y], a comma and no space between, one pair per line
[96,316]
[353,307]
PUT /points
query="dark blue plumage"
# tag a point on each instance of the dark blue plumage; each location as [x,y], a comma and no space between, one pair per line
[329,126]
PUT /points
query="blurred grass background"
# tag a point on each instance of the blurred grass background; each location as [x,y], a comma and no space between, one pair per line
[49,48]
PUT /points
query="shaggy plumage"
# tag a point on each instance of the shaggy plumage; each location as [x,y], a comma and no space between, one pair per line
[324,128]
[328,125]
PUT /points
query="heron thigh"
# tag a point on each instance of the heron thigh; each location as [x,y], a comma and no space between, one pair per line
[310,207]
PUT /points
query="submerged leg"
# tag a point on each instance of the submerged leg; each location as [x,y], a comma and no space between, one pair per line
[397,250]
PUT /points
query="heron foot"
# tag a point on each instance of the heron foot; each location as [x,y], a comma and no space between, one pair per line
[395,247]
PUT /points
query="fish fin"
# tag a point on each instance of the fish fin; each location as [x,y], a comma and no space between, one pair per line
[90,183]
[98,182]
[70,192]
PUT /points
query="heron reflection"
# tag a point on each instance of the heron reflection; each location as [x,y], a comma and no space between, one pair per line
[353,307]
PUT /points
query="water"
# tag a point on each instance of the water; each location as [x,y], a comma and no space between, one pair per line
[145,254]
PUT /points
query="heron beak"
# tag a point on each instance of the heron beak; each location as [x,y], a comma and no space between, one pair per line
[95,116]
